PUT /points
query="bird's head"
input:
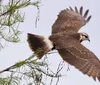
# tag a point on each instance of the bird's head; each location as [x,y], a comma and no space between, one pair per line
[84,36]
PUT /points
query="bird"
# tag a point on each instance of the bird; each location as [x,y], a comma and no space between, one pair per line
[67,40]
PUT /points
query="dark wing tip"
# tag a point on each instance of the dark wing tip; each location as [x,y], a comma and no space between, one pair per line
[81,10]
[98,78]
[88,19]
[76,10]
[81,13]
[94,78]
[86,13]
[71,8]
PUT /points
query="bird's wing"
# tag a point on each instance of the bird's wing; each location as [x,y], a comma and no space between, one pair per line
[79,56]
[70,19]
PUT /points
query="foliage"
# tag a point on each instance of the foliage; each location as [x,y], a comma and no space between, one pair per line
[31,71]
[10,19]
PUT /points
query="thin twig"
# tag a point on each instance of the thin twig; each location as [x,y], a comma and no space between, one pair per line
[4,13]
[14,66]
[57,81]
[44,72]
[60,68]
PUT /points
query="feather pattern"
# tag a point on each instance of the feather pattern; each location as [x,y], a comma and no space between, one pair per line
[69,19]
[73,52]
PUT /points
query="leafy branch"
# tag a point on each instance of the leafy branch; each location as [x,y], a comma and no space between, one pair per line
[10,19]
[29,70]
[35,72]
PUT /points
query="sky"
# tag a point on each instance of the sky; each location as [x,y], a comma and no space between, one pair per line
[49,9]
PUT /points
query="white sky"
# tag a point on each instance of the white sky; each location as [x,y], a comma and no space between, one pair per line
[48,13]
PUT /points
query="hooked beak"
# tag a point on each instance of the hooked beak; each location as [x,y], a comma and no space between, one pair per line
[88,39]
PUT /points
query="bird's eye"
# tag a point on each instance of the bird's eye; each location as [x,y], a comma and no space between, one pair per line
[86,36]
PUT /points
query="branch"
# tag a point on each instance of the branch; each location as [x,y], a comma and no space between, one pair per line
[10,19]
[18,64]
[4,13]
[47,74]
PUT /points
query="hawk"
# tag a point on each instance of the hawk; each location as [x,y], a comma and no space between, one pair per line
[66,39]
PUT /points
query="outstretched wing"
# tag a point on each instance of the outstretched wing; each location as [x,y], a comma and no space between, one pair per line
[79,56]
[69,19]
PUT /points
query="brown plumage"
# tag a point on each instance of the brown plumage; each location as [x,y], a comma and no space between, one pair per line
[66,39]
[38,45]
[69,19]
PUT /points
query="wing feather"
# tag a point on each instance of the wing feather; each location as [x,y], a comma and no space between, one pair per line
[81,10]
[86,13]
[79,56]
[76,10]
[71,8]
[70,19]
[88,19]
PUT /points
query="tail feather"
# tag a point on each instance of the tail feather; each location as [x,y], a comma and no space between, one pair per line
[38,45]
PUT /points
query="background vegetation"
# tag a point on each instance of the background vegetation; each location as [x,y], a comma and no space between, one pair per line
[29,71]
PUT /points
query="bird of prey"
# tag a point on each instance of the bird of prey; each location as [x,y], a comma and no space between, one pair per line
[66,39]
